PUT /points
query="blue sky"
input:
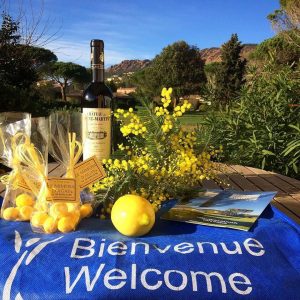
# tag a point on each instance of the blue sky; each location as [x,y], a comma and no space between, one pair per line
[140,29]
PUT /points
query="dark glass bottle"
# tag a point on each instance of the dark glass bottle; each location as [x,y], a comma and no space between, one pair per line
[97,108]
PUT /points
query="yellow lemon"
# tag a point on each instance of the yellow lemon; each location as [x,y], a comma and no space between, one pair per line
[10,213]
[133,215]
[38,219]
[66,224]
[86,210]
[24,200]
[25,212]
[58,210]
[50,225]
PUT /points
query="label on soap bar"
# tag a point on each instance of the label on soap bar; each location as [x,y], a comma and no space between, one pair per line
[88,172]
[63,190]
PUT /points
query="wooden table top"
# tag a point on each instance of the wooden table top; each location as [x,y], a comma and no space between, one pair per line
[243,179]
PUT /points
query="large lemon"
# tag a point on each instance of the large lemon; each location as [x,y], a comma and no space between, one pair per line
[133,215]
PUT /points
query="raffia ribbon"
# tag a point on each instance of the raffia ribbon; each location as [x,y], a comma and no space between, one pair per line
[33,166]
[14,176]
[75,150]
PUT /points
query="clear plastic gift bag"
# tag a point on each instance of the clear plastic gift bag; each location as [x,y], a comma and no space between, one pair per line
[65,143]
[33,157]
[65,146]
[18,203]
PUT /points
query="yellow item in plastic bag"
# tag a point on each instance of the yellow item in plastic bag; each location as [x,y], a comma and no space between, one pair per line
[24,200]
[75,215]
[66,224]
[72,206]
[86,210]
[10,213]
[38,219]
[25,212]
[58,210]
[50,225]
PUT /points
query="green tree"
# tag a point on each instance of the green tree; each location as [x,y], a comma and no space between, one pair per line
[19,64]
[286,20]
[64,73]
[230,77]
[277,49]
[211,70]
[178,66]
[111,84]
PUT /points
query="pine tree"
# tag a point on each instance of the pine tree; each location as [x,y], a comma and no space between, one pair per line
[230,77]
[19,65]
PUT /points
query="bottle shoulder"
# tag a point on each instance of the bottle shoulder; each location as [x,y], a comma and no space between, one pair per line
[95,89]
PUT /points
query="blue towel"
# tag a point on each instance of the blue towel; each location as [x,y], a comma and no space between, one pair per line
[174,261]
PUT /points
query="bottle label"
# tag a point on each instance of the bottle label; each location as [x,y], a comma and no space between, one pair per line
[96,132]
[99,59]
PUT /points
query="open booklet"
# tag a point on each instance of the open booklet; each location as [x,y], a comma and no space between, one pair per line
[221,208]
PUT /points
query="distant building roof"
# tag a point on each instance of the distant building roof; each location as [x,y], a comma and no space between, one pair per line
[126,91]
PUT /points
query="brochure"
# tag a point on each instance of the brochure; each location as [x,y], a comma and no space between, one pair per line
[221,208]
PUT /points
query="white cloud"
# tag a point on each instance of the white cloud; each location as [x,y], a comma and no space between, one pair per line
[78,52]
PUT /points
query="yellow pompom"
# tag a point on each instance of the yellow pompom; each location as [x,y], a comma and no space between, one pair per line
[58,210]
[25,212]
[66,224]
[86,210]
[10,213]
[24,200]
[50,225]
[38,219]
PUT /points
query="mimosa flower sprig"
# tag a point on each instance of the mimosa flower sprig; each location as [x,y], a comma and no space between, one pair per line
[160,159]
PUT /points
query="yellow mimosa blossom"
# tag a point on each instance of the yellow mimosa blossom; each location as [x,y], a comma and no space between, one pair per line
[161,160]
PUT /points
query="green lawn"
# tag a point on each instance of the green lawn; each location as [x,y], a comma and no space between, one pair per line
[188,120]
[192,118]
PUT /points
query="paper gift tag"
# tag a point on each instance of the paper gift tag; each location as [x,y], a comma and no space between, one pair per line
[63,189]
[22,184]
[88,172]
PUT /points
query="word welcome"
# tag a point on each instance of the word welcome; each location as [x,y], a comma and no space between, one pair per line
[152,278]
[115,279]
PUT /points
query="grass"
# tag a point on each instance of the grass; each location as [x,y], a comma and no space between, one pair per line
[193,118]
[189,120]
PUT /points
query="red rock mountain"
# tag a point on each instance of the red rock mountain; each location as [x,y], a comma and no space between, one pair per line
[127,66]
[214,54]
[209,55]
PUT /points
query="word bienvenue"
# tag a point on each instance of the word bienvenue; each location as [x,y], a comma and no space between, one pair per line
[114,279]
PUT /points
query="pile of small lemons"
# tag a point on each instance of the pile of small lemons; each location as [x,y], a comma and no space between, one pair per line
[61,216]
[22,211]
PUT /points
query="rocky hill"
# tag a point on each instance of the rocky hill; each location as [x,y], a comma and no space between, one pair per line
[127,66]
[209,55]
[214,54]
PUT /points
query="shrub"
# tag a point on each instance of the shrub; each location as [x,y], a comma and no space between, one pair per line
[292,150]
[257,129]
